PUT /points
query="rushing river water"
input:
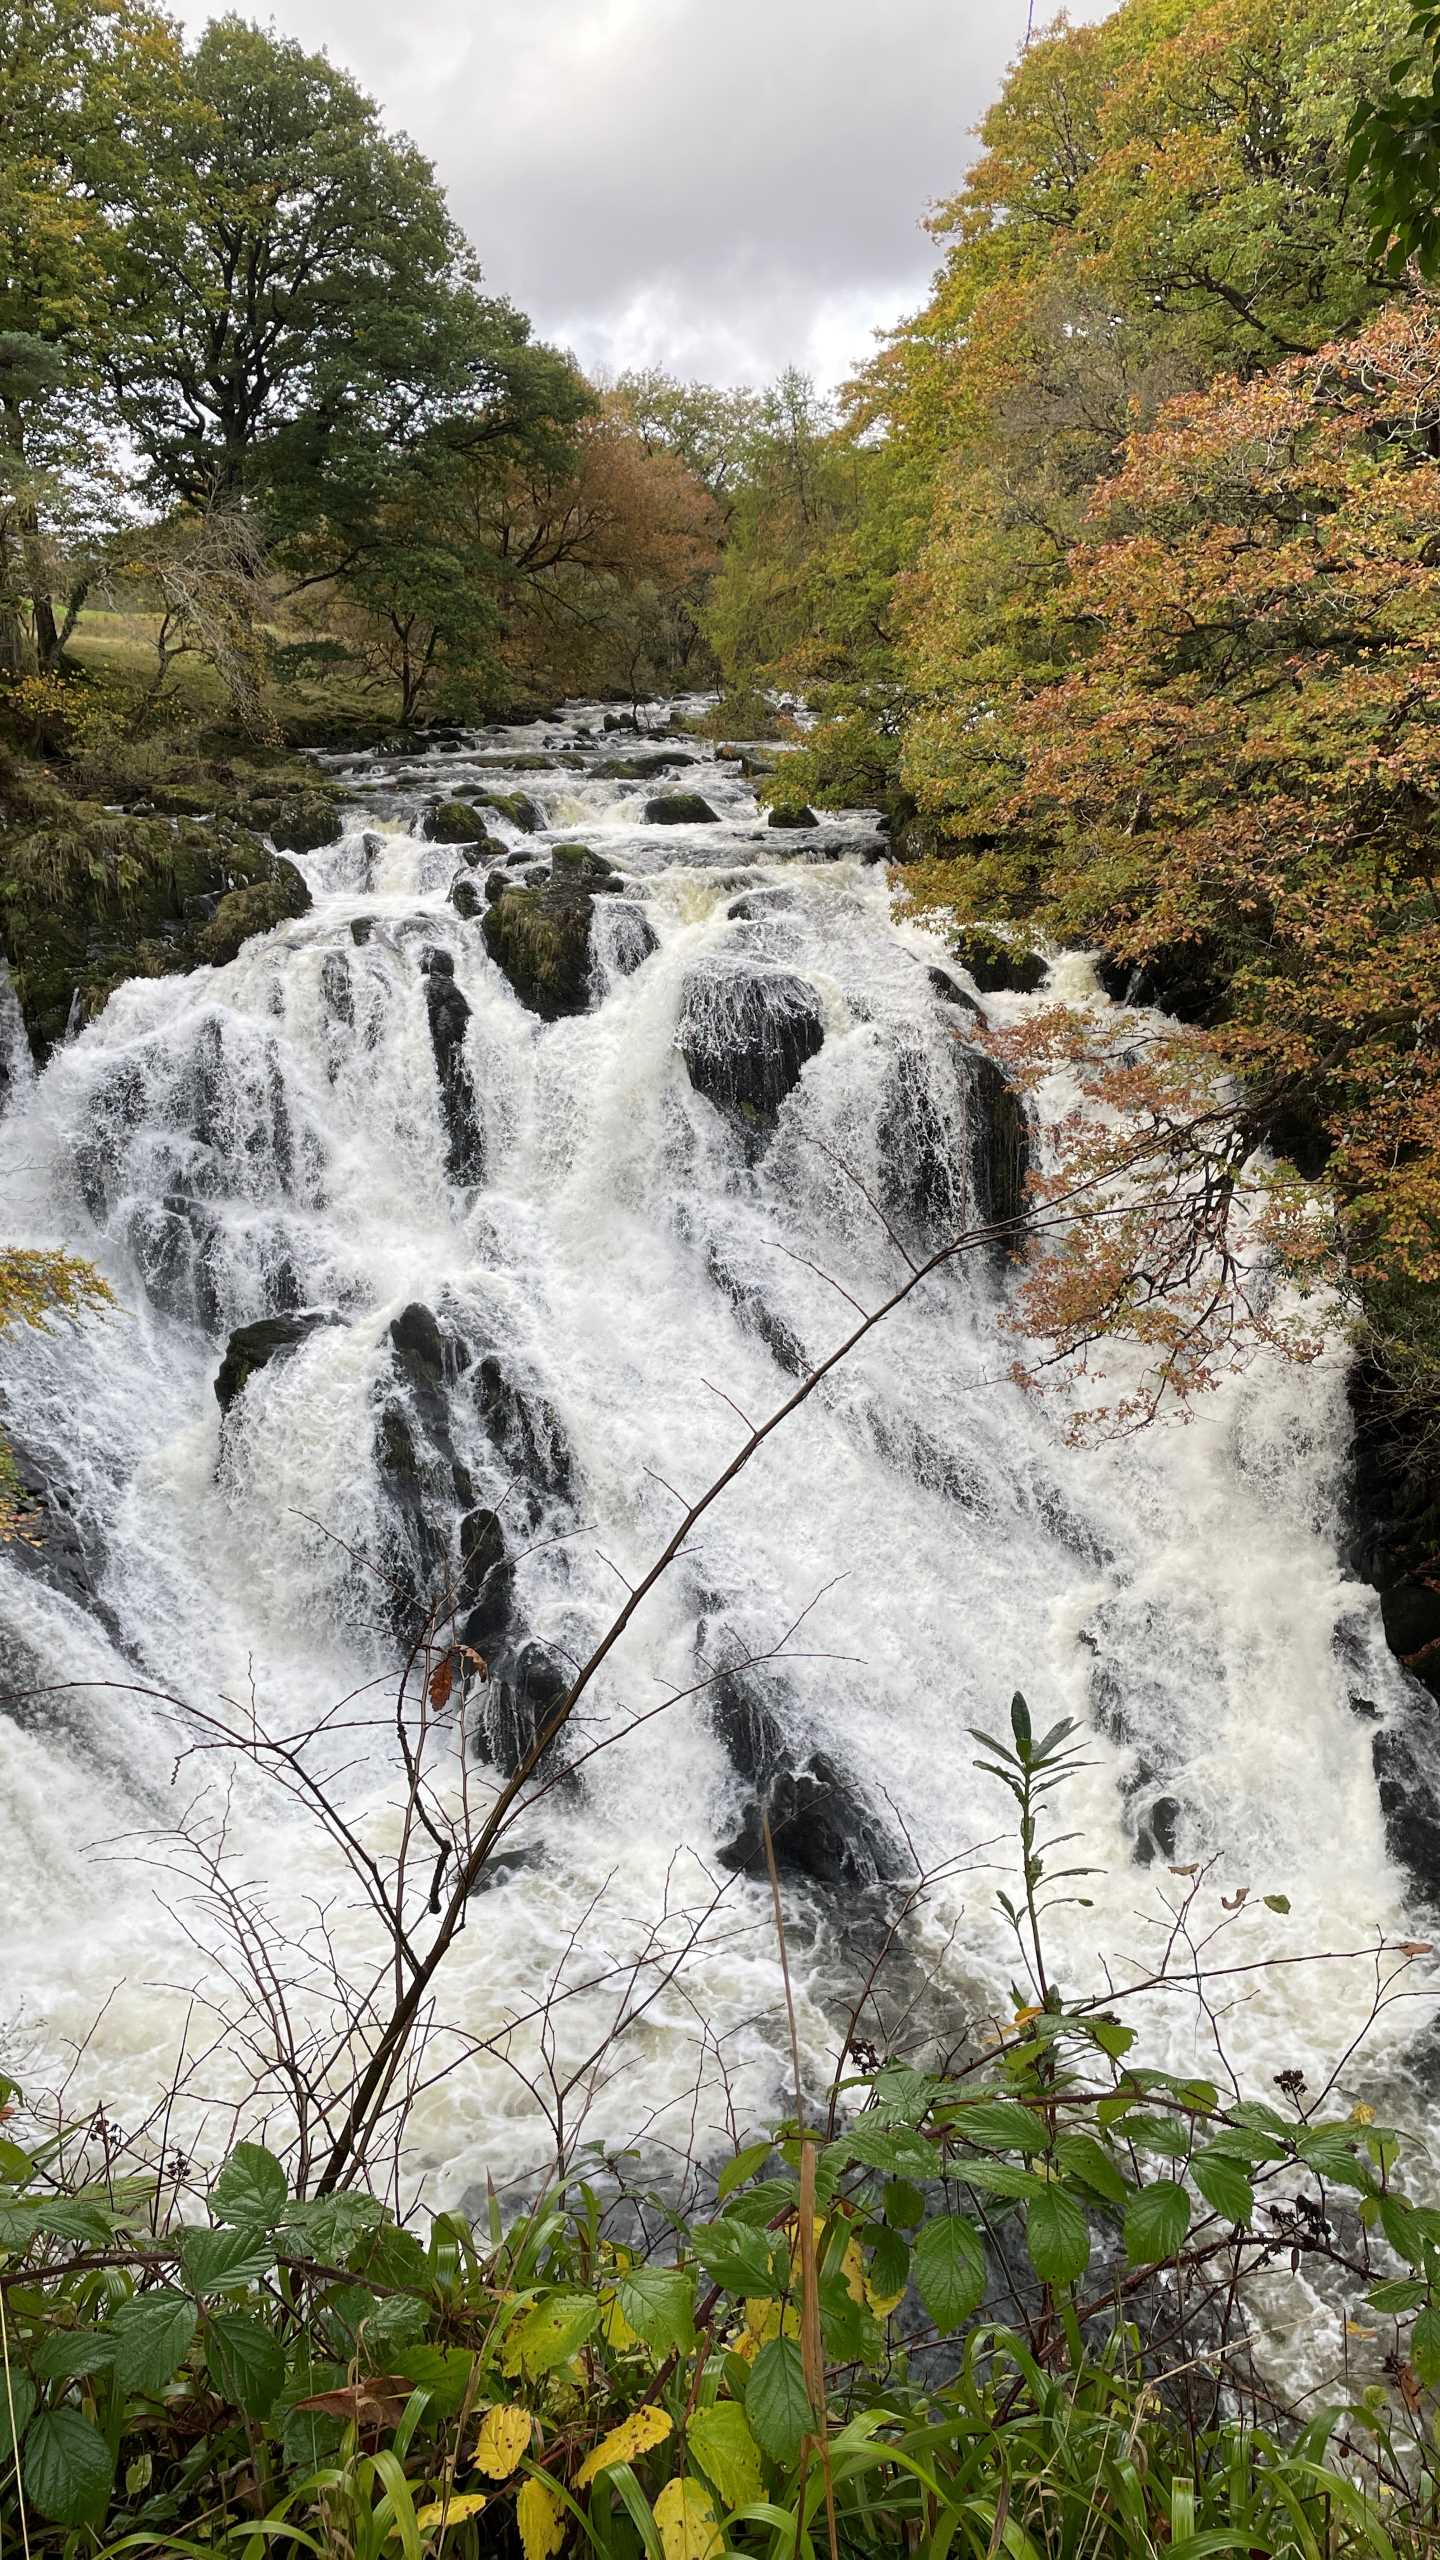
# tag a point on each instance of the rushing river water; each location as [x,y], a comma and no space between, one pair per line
[620,1245]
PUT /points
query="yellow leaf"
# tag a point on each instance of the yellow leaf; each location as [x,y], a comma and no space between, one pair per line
[614,2327]
[634,2435]
[685,2514]
[882,2304]
[448,2511]
[852,2268]
[1361,2114]
[541,2519]
[764,2320]
[504,2436]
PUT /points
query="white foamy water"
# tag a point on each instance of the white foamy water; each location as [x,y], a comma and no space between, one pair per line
[635,1265]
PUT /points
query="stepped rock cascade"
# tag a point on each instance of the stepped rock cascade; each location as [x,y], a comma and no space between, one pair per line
[489,1258]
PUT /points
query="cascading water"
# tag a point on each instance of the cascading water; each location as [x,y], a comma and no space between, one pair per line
[525,1274]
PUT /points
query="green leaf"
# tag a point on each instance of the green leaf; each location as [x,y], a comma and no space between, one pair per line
[22,2391]
[904,2204]
[892,2151]
[68,2353]
[659,2303]
[1327,2149]
[152,2337]
[1156,2133]
[251,2187]
[994,2177]
[742,2167]
[1223,2184]
[1000,2124]
[550,2334]
[1156,2221]
[68,2467]
[777,2404]
[727,2453]
[1277,1902]
[1111,2037]
[1403,2293]
[246,2361]
[1397,2221]
[16,2166]
[734,2254]
[1089,2160]
[1057,2236]
[889,2268]
[1425,2345]
[221,2261]
[948,2262]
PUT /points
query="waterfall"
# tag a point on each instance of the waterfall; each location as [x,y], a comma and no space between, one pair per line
[493,1282]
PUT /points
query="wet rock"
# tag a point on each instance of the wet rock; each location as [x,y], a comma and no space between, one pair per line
[948,993]
[253,1347]
[487,1581]
[526,1433]
[465,896]
[629,937]
[176,1243]
[449,1012]
[1405,1753]
[679,809]
[258,908]
[516,1706]
[759,904]
[760,1318]
[999,1144]
[361,929]
[423,1482]
[297,821]
[792,813]
[540,937]
[998,965]
[58,1544]
[337,988]
[638,768]
[1393,1519]
[746,1032]
[455,822]
[820,1827]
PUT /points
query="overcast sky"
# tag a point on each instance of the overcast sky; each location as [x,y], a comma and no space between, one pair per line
[721,187]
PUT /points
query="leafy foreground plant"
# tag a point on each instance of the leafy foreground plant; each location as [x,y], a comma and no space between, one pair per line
[815,2364]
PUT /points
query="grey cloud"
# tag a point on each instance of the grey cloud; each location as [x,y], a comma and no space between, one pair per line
[663,181]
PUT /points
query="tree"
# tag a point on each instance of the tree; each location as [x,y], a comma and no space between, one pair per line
[1234,785]
[80,84]
[292,267]
[1395,151]
[712,431]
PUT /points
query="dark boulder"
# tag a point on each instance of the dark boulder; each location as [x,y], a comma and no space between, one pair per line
[337,987]
[487,1582]
[517,1705]
[638,768]
[999,1144]
[758,905]
[1406,1756]
[253,1347]
[423,1482]
[819,1825]
[679,809]
[997,965]
[465,896]
[746,1032]
[792,813]
[299,821]
[449,1012]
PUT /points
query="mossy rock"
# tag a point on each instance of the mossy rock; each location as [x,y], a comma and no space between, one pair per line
[679,809]
[579,866]
[461,821]
[541,940]
[792,813]
[297,821]
[89,899]
[243,913]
